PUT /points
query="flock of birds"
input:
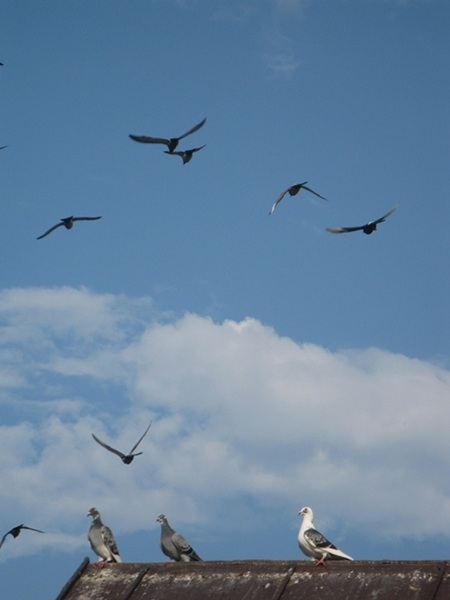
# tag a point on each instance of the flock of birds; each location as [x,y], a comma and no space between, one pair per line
[312,543]
[186,156]
[173,544]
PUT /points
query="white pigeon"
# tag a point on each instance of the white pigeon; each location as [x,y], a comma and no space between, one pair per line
[314,544]
[102,540]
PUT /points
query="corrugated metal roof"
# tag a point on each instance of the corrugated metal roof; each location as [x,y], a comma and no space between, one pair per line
[261,580]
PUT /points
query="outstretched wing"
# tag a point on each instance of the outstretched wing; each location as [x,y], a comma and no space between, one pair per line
[278,200]
[305,187]
[140,439]
[145,139]
[50,230]
[110,448]
[195,128]
[31,528]
[85,218]
[381,219]
[344,229]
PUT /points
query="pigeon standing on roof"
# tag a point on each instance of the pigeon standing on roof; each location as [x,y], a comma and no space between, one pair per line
[15,531]
[102,540]
[368,228]
[171,143]
[67,222]
[293,190]
[126,458]
[174,545]
[186,155]
[314,544]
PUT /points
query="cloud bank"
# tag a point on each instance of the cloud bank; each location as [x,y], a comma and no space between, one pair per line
[240,416]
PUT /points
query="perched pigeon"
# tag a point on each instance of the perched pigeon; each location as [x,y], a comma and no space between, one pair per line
[15,531]
[367,228]
[126,458]
[186,155]
[293,190]
[171,143]
[314,544]
[102,540]
[67,222]
[174,545]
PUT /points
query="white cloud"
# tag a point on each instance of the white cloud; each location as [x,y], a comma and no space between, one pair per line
[238,412]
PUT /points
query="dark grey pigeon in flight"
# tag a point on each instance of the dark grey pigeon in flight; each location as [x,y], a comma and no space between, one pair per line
[102,540]
[174,545]
[186,155]
[368,228]
[126,458]
[67,222]
[15,531]
[293,190]
[314,544]
[171,143]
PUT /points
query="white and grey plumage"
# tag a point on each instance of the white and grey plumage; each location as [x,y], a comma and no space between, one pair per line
[171,143]
[293,190]
[102,540]
[186,155]
[314,544]
[15,531]
[174,545]
[67,222]
[368,228]
[126,458]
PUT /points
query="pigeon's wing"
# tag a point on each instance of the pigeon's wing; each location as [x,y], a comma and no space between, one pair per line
[197,149]
[174,153]
[381,219]
[180,543]
[31,528]
[118,452]
[317,540]
[145,139]
[50,230]
[4,538]
[305,187]
[86,218]
[1,147]
[140,439]
[278,200]
[195,128]
[344,229]
[109,540]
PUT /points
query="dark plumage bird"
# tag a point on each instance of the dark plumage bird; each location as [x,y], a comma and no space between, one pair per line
[293,190]
[368,228]
[15,531]
[67,222]
[186,155]
[125,458]
[1,147]
[171,143]
[174,545]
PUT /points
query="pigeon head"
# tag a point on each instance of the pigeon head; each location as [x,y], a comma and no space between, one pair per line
[306,511]
[161,519]
[93,512]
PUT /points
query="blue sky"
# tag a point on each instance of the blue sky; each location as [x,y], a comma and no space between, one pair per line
[281,365]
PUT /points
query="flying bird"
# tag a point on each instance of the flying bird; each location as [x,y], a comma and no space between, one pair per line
[314,544]
[1,147]
[368,228]
[174,545]
[102,540]
[293,190]
[186,155]
[67,222]
[126,458]
[15,531]
[171,143]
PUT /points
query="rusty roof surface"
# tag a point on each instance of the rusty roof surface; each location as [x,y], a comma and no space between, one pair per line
[261,580]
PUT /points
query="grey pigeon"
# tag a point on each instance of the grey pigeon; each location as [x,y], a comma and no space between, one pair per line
[126,458]
[293,190]
[171,143]
[174,545]
[67,222]
[368,228]
[186,155]
[314,544]
[15,531]
[102,540]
